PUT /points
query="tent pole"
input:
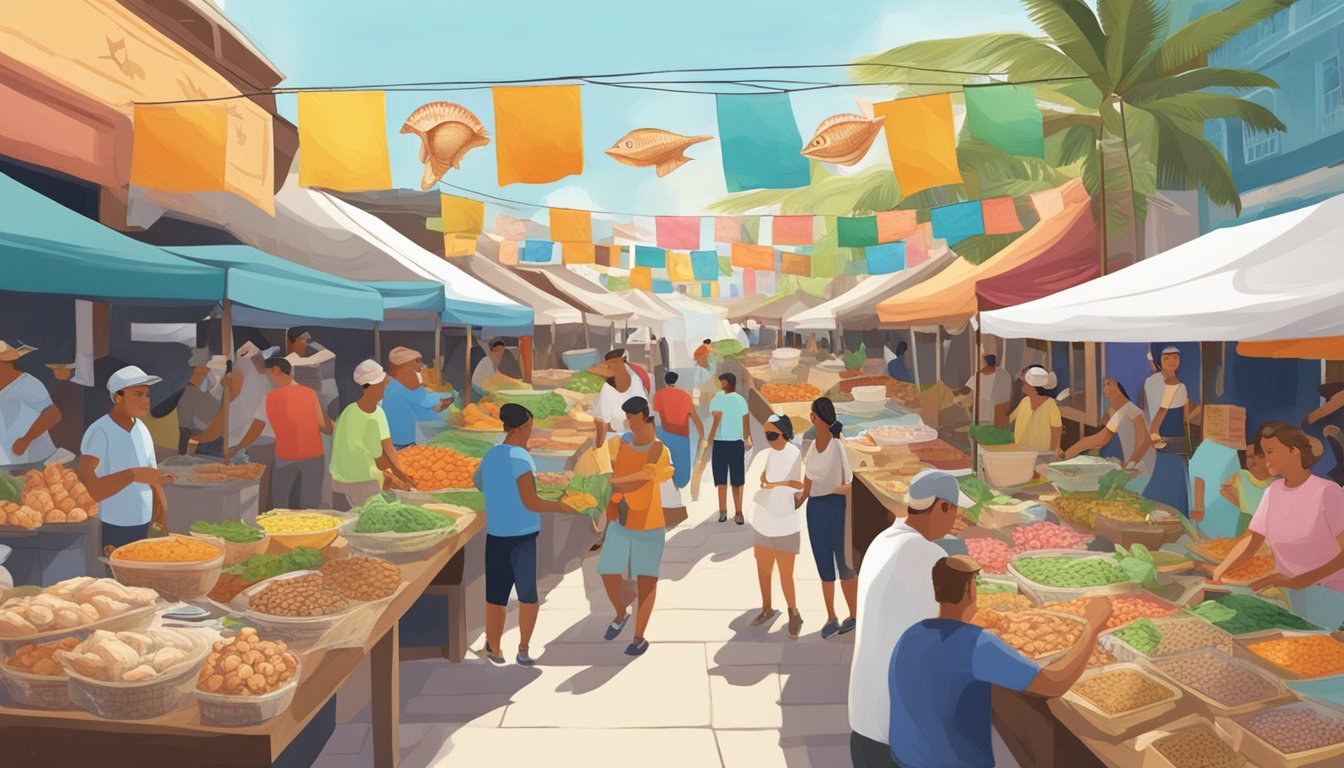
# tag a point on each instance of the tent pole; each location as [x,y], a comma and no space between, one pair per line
[938,355]
[914,356]
[975,408]
[226,341]
[587,342]
[377,342]
[466,386]
[438,345]
[555,359]
[525,357]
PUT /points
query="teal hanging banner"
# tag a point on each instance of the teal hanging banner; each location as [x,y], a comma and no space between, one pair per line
[759,139]
[1006,117]
[887,258]
[955,223]
[705,265]
[648,256]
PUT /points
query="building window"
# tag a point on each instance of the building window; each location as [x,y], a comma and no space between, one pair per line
[1257,145]
[1216,132]
[1332,96]
[1266,29]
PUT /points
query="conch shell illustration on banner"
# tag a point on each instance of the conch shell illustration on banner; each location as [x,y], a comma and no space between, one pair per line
[447,132]
[844,139]
[645,147]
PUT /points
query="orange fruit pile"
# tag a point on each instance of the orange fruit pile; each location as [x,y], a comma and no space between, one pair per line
[1124,609]
[789,393]
[1303,655]
[1256,567]
[433,467]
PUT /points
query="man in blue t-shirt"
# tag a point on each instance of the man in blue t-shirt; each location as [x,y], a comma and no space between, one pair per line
[942,671]
[507,479]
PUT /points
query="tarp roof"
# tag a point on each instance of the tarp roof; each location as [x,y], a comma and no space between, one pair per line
[699,319]
[548,309]
[583,293]
[1073,260]
[773,312]
[1272,279]
[948,298]
[740,309]
[48,248]
[260,280]
[856,309]
[653,312]
[419,296]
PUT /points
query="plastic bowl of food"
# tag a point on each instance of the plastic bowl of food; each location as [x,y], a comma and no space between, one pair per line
[42,691]
[173,579]
[235,553]
[294,528]
[238,711]
[390,543]
[157,696]
[873,394]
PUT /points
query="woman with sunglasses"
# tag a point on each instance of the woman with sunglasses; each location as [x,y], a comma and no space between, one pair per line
[826,484]
[775,518]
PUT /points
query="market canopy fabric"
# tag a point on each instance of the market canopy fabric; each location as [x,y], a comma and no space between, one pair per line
[51,249]
[548,309]
[949,298]
[1073,260]
[262,281]
[417,296]
[583,293]
[1272,279]
[652,311]
[772,312]
[856,309]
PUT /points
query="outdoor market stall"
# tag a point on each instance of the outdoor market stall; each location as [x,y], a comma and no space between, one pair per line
[596,302]
[550,312]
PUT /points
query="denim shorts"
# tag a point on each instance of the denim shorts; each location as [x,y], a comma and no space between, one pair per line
[637,553]
[826,531]
[510,563]
[728,460]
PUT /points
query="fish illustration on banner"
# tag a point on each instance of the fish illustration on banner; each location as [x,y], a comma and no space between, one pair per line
[845,139]
[654,147]
[447,132]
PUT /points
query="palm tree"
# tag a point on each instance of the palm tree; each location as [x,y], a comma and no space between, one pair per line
[1126,99]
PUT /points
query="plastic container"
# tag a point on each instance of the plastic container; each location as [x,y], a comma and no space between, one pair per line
[920,433]
[241,711]
[405,543]
[168,691]
[1151,535]
[1117,724]
[1275,690]
[41,691]
[174,581]
[1043,593]
[311,539]
[1152,758]
[1078,477]
[877,394]
[1007,466]
[236,553]
[1243,651]
[132,620]
[1126,652]
[789,355]
[1266,755]
[580,359]
[345,629]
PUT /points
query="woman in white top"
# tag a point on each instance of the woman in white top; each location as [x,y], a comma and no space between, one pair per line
[826,485]
[775,517]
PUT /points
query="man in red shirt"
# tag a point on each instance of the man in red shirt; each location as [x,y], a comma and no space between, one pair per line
[298,420]
[676,413]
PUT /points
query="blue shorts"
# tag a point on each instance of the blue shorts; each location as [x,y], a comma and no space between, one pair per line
[510,563]
[728,460]
[121,535]
[638,553]
[826,531]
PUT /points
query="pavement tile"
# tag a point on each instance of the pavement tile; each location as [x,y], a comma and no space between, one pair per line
[567,748]
[751,749]
[815,685]
[348,739]
[745,697]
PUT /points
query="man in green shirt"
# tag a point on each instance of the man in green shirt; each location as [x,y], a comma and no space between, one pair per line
[362,445]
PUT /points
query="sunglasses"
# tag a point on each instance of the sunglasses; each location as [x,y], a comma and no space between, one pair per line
[772,436]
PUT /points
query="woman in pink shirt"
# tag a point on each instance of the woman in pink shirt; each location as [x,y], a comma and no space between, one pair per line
[1301,518]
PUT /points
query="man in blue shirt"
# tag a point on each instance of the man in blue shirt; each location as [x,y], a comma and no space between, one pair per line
[507,478]
[942,671]
[406,400]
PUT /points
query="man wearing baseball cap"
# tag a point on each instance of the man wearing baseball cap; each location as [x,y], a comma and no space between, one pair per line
[944,668]
[406,400]
[362,446]
[26,411]
[894,594]
[118,466]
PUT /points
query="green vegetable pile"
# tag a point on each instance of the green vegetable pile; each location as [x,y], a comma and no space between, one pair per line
[992,587]
[979,492]
[987,434]
[11,488]
[726,348]
[542,406]
[596,485]
[1070,572]
[585,383]
[1242,614]
[1137,563]
[385,514]
[854,360]
[1143,635]
[234,531]
[473,500]
[463,444]
[261,567]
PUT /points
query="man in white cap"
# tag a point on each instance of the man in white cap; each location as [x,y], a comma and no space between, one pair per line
[118,465]
[362,446]
[895,593]
[26,411]
[406,400]
[1167,403]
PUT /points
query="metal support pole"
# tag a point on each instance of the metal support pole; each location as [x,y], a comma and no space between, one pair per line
[975,409]
[938,355]
[466,385]
[438,345]
[378,342]
[226,340]
[914,357]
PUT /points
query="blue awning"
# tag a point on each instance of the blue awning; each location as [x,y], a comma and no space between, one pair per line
[410,296]
[258,279]
[48,248]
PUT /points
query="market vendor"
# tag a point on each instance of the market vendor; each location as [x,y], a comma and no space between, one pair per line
[198,405]
[1037,423]
[26,411]
[407,400]
[487,368]
[118,466]
[1301,518]
[943,670]
[361,448]
[621,385]
[295,416]
[1126,422]
[894,594]
[995,390]
[1168,404]
[314,365]
[896,365]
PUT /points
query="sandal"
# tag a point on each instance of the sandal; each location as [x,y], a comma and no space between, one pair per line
[723,516]
[739,519]
[491,656]
[614,628]
[637,648]
[763,617]
[795,622]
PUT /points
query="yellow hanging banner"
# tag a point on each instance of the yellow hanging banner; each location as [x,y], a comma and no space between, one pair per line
[343,141]
[578,253]
[456,244]
[922,140]
[569,226]
[641,278]
[679,268]
[180,147]
[461,215]
[538,133]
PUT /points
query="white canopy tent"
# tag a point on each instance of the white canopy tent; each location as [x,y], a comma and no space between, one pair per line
[700,320]
[864,296]
[1272,279]
[549,310]
[581,291]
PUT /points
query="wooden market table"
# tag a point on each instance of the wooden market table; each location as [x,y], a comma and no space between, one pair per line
[35,737]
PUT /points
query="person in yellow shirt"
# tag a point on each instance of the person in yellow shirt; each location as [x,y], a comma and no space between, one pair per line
[1037,424]
[635,522]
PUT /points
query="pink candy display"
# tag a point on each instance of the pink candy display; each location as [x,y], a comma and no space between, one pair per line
[1045,535]
[992,555]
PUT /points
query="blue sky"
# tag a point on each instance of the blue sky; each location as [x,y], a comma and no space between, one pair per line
[342,42]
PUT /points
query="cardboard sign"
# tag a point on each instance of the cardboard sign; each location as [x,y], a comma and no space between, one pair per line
[1225,425]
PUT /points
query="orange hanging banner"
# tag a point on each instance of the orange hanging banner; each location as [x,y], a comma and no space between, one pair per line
[569,226]
[797,264]
[508,253]
[1000,216]
[895,225]
[1325,348]
[922,140]
[455,244]
[578,253]
[180,147]
[538,133]
[753,256]
[343,140]
[641,278]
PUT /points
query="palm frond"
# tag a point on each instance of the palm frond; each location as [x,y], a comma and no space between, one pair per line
[1200,163]
[1194,80]
[1199,107]
[1206,33]
[1075,29]
[1133,29]
[1076,141]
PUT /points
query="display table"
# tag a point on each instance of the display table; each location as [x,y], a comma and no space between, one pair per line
[54,552]
[74,737]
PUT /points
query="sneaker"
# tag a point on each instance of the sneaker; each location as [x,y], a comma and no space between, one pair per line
[491,656]
[524,660]
[795,622]
[830,629]
[637,648]
[614,628]
[848,625]
[763,617]
[723,516]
